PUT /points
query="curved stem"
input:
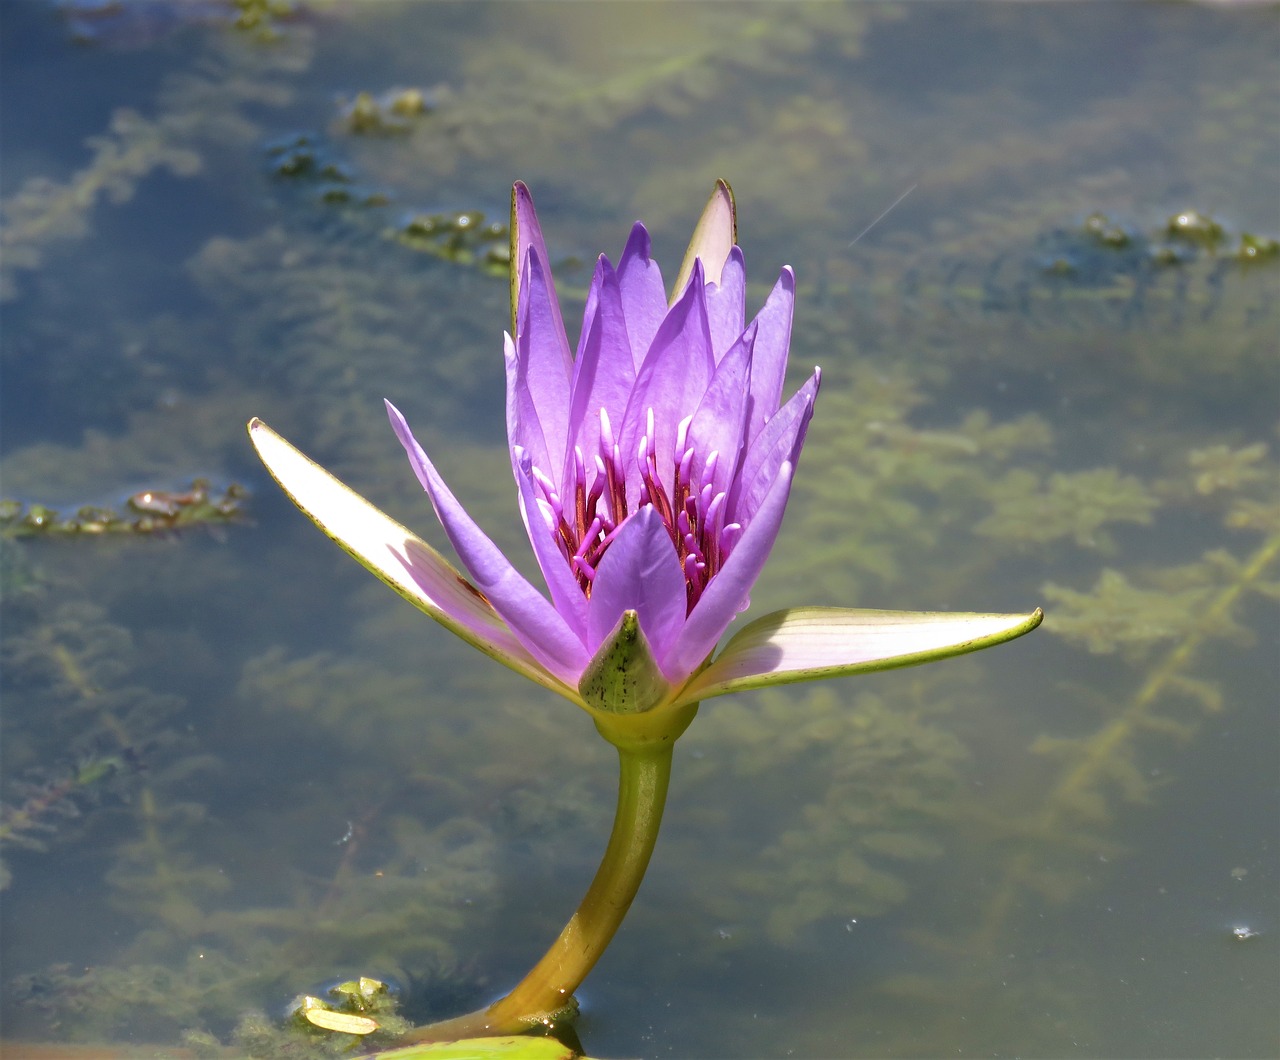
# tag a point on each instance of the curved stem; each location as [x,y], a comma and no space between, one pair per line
[546,993]
[642,795]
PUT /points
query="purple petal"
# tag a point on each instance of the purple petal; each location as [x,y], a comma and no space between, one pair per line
[603,372]
[773,340]
[566,594]
[453,602]
[728,592]
[541,629]
[671,381]
[526,234]
[807,643]
[720,422]
[781,440]
[539,374]
[640,572]
[524,428]
[726,303]
[644,299]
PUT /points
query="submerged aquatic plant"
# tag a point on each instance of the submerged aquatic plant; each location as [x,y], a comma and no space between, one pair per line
[652,470]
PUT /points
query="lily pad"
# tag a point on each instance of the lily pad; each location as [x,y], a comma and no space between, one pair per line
[510,1048]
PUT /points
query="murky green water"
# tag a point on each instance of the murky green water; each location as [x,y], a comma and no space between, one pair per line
[236,766]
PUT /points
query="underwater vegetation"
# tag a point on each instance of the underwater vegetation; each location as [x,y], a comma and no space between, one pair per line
[43,210]
[1035,387]
[98,732]
[1166,626]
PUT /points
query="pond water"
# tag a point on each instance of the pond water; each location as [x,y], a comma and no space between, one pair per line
[235,766]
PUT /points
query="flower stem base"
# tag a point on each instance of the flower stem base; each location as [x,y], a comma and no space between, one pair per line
[545,995]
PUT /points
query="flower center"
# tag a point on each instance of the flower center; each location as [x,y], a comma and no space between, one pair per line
[684,498]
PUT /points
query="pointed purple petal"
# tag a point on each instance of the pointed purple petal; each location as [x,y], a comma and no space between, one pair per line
[808,643]
[781,440]
[526,233]
[640,572]
[644,299]
[566,595]
[603,372]
[524,428]
[728,592]
[773,340]
[726,304]
[538,381]
[539,626]
[720,422]
[671,381]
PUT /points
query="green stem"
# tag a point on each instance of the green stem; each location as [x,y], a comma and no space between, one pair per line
[546,993]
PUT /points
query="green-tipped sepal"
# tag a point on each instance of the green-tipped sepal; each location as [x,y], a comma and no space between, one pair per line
[623,677]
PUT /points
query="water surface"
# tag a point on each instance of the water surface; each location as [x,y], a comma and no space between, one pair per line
[1047,849]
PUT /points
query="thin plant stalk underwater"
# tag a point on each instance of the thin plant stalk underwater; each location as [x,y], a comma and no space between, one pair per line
[652,470]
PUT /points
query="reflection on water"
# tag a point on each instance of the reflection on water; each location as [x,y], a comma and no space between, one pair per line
[235,767]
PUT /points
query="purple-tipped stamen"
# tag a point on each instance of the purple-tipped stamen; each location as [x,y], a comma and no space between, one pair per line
[586,515]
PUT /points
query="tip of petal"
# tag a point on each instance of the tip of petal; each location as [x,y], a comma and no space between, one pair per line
[524,232]
[638,246]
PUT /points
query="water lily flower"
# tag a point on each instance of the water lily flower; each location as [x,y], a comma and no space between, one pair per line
[652,469]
